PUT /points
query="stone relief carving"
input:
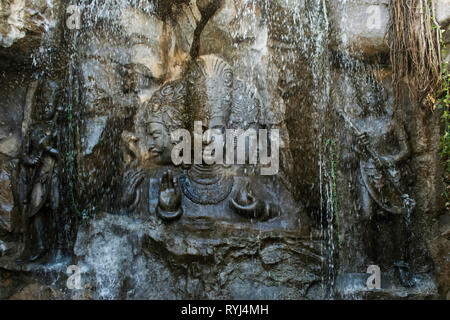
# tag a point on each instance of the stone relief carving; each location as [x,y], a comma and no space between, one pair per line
[210,89]
[385,174]
[209,93]
[247,205]
[266,254]
[169,201]
[8,209]
[385,179]
[150,146]
[246,109]
[38,175]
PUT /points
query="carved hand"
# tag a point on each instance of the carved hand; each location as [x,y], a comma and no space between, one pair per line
[35,161]
[169,204]
[269,210]
[245,196]
[386,161]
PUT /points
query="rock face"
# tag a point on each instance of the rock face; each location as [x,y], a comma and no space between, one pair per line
[7,211]
[440,247]
[88,114]
[37,292]
[125,258]
[443,12]
[23,24]
[361,26]
[15,111]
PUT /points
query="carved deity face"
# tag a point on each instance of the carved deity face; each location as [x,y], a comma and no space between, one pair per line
[151,143]
[149,147]
[211,81]
[160,146]
[48,111]
[45,101]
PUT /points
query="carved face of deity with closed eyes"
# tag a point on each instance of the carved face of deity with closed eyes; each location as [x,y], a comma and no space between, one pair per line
[151,145]
[160,146]
[166,107]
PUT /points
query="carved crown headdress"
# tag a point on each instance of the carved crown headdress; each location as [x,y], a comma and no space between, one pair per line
[167,105]
[211,66]
[209,85]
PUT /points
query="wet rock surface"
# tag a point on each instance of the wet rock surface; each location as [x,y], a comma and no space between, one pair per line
[23,24]
[361,26]
[198,258]
[354,287]
[86,177]
[440,248]
[443,12]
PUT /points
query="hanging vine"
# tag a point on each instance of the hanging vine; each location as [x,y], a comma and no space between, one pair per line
[443,103]
[415,50]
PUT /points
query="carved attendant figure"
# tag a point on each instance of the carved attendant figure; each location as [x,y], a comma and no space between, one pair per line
[385,179]
[381,169]
[39,170]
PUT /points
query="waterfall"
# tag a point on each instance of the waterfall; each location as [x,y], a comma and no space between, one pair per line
[94,186]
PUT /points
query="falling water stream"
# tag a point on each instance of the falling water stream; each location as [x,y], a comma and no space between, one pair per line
[284,53]
[306,32]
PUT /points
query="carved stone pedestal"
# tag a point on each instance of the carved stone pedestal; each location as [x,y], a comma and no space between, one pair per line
[199,258]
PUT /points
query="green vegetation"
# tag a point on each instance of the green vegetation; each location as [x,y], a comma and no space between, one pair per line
[418,55]
[443,103]
[85,213]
